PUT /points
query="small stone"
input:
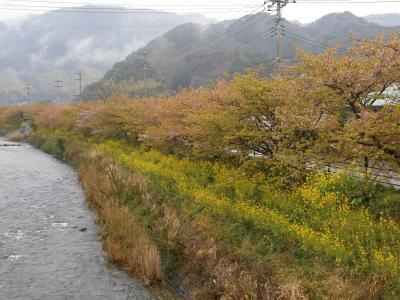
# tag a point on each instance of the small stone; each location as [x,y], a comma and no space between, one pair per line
[83,229]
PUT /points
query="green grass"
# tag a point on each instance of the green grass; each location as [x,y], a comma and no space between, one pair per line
[175,182]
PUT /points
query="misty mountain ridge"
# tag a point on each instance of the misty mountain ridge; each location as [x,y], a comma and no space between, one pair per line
[193,55]
[39,49]
[384,19]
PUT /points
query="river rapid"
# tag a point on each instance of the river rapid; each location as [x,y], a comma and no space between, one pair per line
[50,247]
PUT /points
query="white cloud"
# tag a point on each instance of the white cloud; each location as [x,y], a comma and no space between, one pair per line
[39,58]
[85,51]
[15,23]
[110,56]
[45,39]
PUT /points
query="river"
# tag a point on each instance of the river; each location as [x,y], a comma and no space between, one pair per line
[50,247]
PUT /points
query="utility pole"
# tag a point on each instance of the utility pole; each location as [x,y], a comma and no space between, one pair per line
[278,30]
[58,87]
[28,93]
[79,79]
[145,74]
[278,5]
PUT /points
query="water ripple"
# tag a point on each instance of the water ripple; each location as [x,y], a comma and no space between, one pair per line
[43,255]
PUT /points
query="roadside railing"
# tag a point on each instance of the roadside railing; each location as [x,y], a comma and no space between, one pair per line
[382,175]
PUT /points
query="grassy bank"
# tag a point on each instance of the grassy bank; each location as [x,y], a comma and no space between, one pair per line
[214,231]
[307,231]
[222,191]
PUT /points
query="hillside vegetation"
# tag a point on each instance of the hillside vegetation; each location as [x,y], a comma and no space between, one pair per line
[192,55]
[226,187]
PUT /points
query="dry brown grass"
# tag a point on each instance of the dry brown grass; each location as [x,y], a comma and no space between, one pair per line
[291,291]
[4,111]
[204,294]
[124,238]
[243,280]
[15,136]
[209,268]
[127,244]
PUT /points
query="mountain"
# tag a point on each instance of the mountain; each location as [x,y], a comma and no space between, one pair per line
[384,19]
[193,55]
[343,24]
[40,49]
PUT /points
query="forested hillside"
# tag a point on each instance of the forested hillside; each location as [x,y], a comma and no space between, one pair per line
[192,55]
[40,49]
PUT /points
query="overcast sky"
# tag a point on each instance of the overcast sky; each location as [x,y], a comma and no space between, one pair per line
[222,9]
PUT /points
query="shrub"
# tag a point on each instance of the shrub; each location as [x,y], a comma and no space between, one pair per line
[54,147]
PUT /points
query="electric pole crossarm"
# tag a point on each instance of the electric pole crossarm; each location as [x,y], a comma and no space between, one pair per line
[58,87]
[278,5]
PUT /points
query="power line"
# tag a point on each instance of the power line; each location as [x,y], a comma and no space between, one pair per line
[314,41]
[306,41]
[302,40]
[242,4]
[262,40]
[104,10]
[250,27]
[348,2]
[223,34]
[309,31]
[130,4]
[214,37]
[216,33]
[234,10]
[114,7]
[97,27]
[255,42]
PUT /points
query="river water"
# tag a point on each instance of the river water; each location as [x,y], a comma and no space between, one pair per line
[49,244]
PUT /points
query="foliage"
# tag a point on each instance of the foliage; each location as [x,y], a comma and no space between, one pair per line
[356,86]
[248,158]
[54,147]
[318,217]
